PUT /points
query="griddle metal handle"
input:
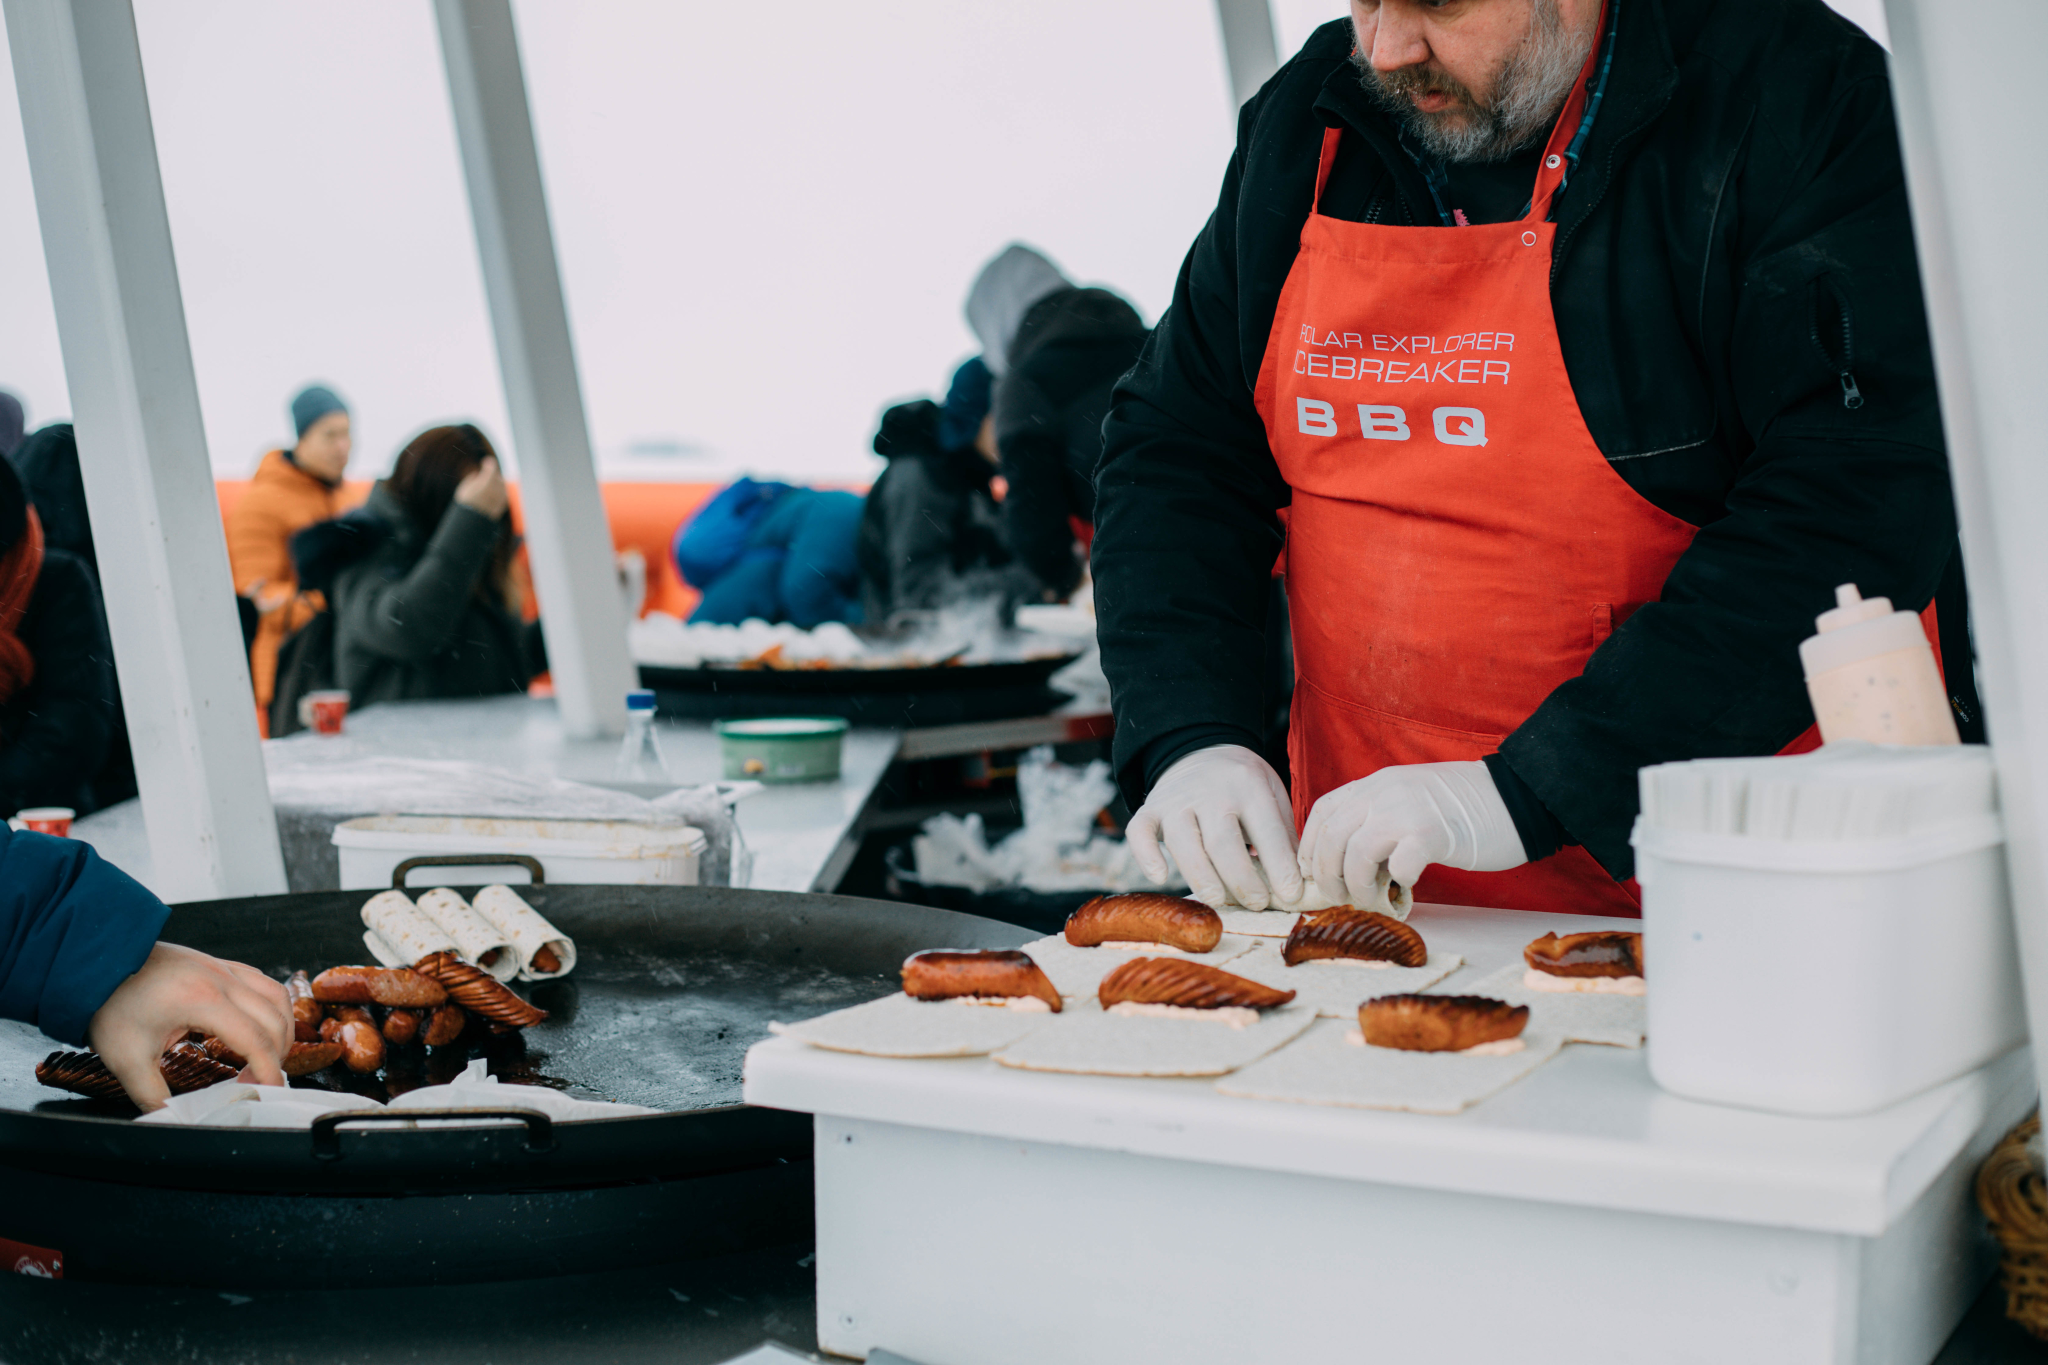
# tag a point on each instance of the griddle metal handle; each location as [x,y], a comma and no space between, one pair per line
[525,860]
[540,1129]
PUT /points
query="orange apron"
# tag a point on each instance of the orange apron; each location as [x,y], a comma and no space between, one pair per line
[1457,545]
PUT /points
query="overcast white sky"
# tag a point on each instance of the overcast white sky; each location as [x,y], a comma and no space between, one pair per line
[767,216]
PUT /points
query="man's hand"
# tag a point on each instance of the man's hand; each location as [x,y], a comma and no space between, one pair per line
[177,990]
[1407,816]
[483,489]
[1212,809]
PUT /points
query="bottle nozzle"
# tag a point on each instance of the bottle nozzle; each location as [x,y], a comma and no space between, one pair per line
[1851,607]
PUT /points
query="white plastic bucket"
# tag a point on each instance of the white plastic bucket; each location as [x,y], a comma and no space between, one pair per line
[569,851]
[1826,978]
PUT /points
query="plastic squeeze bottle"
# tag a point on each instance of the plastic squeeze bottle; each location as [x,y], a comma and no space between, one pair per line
[1871,674]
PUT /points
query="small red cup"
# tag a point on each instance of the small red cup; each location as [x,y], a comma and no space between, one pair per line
[46,820]
[323,711]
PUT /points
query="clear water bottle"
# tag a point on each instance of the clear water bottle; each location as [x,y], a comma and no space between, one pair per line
[640,757]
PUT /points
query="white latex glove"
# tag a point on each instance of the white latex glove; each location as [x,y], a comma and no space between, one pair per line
[1407,816]
[1212,809]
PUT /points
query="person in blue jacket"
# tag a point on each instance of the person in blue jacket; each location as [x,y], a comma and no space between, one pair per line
[775,553]
[79,959]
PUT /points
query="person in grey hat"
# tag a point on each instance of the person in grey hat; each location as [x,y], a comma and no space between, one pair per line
[320,419]
[1056,351]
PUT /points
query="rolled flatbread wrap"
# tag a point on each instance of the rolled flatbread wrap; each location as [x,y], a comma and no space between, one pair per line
[396,924]
[382,951]
[476,942]
[1388,898]
[528,931]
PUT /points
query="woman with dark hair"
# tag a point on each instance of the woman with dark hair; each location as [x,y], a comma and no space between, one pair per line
[57,701]
[419,579]
[47,463]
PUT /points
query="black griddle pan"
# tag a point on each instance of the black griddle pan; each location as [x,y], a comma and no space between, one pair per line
[672,985]
[895,697]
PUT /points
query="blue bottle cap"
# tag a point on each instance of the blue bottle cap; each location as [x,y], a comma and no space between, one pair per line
[640,699]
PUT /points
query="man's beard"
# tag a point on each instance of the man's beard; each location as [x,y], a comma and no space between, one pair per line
[1527,91]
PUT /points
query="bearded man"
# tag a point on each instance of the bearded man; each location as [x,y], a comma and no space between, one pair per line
[1564,357]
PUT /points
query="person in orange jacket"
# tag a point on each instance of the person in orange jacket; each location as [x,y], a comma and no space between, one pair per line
[292,490]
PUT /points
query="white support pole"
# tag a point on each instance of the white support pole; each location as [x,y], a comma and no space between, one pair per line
[582,614]
[148,482]
[1249,48]
[1969,122]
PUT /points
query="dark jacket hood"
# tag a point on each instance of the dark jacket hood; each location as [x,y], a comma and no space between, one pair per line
[48,465]
[323,550]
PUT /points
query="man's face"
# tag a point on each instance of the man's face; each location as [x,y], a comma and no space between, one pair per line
[1473,80]
[323,450]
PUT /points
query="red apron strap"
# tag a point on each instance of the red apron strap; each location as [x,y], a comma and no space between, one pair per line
[1550,174]
[1329,159]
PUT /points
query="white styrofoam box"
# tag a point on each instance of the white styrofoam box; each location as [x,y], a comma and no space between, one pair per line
[569,851]
[1826,977]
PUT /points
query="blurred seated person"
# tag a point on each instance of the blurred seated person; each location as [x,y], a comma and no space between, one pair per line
[57,700]
[1056,351]
[931,530]
[80,960]
[47,463]
[419,583]
[291,490]
[774,553]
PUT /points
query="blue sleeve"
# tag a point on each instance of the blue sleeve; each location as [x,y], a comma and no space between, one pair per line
[73,927]
[712,541]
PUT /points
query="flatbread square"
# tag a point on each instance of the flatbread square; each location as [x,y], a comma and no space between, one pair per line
[1336,987]
[1579,1017]
[1258,923]
[1323,1067]
[1078,971]
[1086,1039]
[897,1026]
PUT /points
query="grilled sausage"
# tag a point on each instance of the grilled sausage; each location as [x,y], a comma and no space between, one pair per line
[306,1011]
[362,1046]
[1439,1023]
[1190,985]
[353,1014]
[81,1073]
[477,991]
[401,1026]
[330,1030]
[185,1068]
[545,959]
[1604,952]
[306,1058]
[1353,933]
[443,1026]
[943,974]
[1146,917]
[400,986]
[222,1053]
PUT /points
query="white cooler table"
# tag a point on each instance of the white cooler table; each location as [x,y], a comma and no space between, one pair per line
[971,1214]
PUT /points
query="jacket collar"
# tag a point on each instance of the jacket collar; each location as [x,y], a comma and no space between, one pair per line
[1644,79]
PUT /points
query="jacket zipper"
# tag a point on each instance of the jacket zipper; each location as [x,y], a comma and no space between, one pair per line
[1852,397]
[1845,366]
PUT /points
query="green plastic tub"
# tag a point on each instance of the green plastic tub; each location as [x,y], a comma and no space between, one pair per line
[782,749]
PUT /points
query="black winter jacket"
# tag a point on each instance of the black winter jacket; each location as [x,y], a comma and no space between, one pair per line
[411,617]
[1738,303]
[54,732]
[1070,350]
[930,532]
